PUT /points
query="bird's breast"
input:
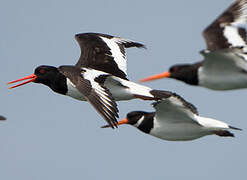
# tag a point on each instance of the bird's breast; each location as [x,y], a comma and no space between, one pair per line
[177,131]
[223,72]
[74,92]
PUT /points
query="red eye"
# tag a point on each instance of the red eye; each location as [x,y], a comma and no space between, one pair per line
[174,69]
[41,71]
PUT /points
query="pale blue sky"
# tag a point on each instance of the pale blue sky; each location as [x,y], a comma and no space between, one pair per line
[53,137]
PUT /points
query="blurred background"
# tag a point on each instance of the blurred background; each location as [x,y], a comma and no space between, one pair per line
[50,136]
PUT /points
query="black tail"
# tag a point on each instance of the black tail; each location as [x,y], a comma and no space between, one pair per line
[224,133]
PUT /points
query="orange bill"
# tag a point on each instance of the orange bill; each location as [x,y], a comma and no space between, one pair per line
[31,78]
[124,121]
[157,76]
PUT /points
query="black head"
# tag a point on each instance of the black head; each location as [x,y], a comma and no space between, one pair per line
[140,119]
[134,117]
[185,72]
[47,75]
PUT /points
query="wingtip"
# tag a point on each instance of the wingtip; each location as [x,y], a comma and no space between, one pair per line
[143,46]
[128,44]
[106,126]
[113,126]
[235,128]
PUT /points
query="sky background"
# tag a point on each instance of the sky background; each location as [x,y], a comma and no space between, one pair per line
[54,137]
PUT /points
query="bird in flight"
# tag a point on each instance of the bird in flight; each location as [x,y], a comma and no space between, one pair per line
[225,60]
[99,76]
[2,118]
[175,119]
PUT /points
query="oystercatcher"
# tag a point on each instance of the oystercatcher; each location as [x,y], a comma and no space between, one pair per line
[2,118]
[175,120]
[99,76]
[225,60]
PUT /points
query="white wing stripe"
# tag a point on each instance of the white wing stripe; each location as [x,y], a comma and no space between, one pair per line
[90,75]
[233,37]
[119,58]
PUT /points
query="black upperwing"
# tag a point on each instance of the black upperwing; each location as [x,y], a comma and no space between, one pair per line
[104,53]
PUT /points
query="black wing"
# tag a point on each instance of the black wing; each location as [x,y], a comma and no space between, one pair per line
[104,53]
[89,83]
[227,30]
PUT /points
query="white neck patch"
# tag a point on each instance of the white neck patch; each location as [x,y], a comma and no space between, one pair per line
[139,121]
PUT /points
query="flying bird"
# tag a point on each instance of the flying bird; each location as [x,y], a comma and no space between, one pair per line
[99,76]
[175,119]
[2,118]
[225,60]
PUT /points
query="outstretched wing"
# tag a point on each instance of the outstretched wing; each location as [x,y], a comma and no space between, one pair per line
[174,108]
[89,83]
[228,29]
[104,53]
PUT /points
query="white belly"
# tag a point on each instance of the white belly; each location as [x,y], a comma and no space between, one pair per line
[223,71]
[73,91]
[119,91]
[222,79]
[179,131]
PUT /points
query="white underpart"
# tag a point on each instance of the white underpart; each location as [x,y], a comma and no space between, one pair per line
[119,88]
[233,36]
[224,69]
[73,91]
[139,121]
[175,122]
[116,53]
[124,90]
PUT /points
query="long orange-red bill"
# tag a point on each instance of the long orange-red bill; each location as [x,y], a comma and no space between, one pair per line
[157,76]
[31,78]
[124,121]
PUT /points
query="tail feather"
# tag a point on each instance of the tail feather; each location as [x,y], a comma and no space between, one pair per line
[224,133]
